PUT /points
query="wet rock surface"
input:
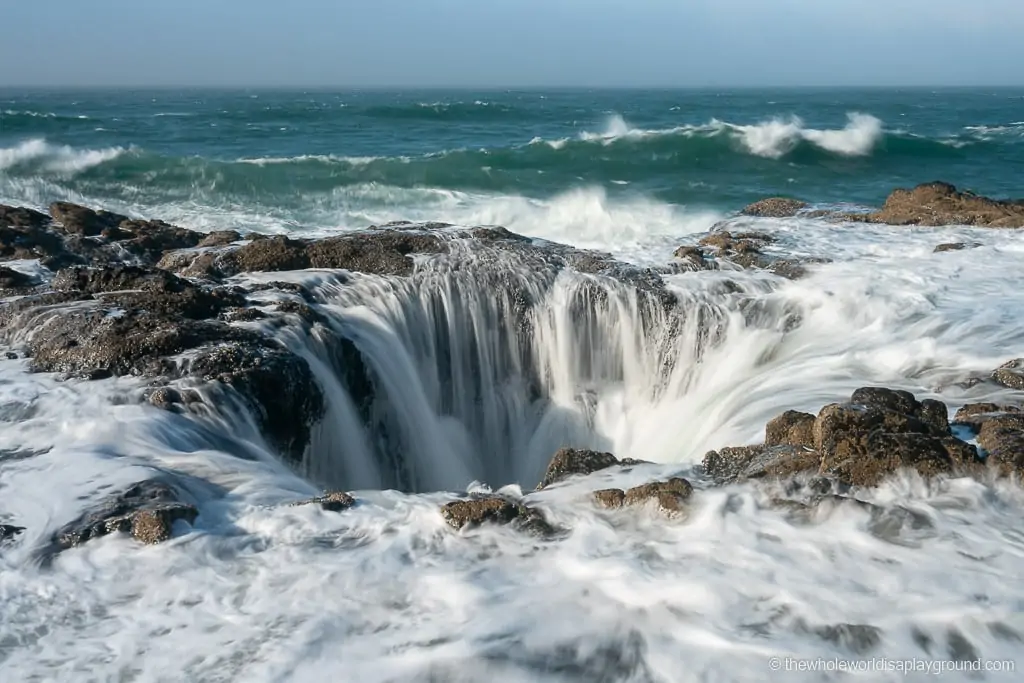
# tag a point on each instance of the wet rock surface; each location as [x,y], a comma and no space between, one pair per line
[335,501]
[743,249]
[9,531]
[671,496]
[147,510]
[875,434]
[496,510]
[569,462]
[774,207]
[937,204]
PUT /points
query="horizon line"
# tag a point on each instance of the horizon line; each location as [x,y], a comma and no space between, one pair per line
[520,87]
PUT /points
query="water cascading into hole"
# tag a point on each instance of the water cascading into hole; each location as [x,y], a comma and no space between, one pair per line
[482,371]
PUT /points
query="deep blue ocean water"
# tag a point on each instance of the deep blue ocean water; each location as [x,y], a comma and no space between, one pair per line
[283,160]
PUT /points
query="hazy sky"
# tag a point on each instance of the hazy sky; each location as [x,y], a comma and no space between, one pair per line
[512,42]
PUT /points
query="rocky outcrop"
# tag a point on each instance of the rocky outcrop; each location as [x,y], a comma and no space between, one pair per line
[937,204]
[876,433]
[999,431]
[147,510]
[1010,374]
[497,510]
[569,462]
[774,207]
[792,428]
[671,496]
[335,501]
[744,249]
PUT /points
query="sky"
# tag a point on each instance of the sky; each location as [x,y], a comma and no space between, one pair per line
[509,43]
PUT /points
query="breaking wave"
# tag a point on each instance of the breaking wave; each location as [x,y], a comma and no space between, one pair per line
[39,155]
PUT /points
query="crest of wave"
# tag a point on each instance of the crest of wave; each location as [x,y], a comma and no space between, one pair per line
[776,138]
[37,153]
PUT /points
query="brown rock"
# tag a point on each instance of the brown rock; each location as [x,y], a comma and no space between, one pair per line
[610,498]
[774,207]
[147,510]
[154,525]
[938,203]
[569,462]
[792,428]
[671,495]
[1002,438]
[220,238]
[1010,375]
[462,514]
[272,254]
[79,220]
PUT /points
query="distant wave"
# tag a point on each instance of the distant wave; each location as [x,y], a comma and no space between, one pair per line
[14,113]
[772,139]
[38,154]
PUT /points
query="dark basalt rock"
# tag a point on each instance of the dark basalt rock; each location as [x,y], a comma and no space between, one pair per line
[380,252]
[759,462]
[774,207]
[569,462]
[9,531]
[147,510]
[336,501]
[79,220]
[467,514]
[857,638]
[13,279]
[117,278]
[671,495]
[20,217]
[278,386]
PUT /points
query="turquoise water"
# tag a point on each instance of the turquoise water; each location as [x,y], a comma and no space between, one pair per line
[285,160]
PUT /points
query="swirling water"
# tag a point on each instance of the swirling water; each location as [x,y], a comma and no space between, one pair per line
[385,592]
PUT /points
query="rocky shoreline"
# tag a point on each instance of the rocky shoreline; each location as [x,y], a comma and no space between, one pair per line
[92,294]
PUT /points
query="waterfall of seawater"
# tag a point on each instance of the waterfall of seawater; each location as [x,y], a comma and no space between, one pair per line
[480,369]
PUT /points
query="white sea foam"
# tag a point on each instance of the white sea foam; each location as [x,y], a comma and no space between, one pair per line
[58,159]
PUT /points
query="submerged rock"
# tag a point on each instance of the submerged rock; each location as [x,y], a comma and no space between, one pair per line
[1010,375]
[955,246]
[467,514]
[9,531]
[335,501]
[147,510]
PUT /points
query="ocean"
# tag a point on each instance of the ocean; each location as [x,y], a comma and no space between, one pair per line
[257,590]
